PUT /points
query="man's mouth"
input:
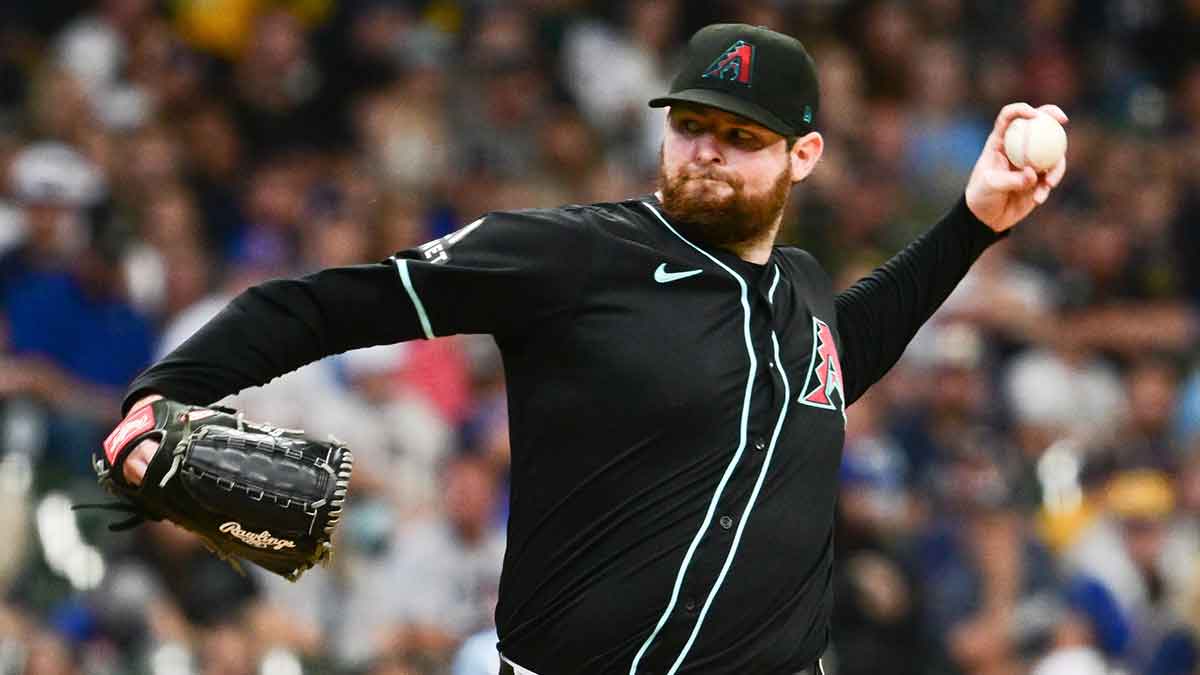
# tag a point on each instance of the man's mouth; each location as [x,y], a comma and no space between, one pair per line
[710,179]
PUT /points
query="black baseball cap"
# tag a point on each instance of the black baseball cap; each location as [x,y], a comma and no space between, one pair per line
[751,71]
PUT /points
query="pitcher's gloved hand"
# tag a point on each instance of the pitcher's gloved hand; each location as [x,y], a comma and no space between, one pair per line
[138,460]
[248,490]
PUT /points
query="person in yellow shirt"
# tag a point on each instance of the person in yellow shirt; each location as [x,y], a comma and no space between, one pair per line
[223,27]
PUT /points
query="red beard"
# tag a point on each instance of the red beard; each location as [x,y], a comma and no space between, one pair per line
[716,220]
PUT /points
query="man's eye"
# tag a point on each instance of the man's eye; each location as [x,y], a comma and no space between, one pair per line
[690,126]
[742,137]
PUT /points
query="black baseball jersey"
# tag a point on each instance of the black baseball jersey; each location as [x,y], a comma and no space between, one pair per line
[676,416]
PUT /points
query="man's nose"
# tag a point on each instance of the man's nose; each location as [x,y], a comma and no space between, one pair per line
[708,151]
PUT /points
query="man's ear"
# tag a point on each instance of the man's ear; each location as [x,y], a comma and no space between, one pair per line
[805,154]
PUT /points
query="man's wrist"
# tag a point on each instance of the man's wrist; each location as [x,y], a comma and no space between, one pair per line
[145,399]
[968,219]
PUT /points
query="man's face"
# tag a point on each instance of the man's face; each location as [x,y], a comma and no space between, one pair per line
[722,177]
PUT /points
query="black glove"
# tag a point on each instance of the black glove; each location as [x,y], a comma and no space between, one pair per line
[250,491]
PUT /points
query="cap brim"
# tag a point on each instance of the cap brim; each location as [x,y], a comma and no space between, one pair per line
[731,104]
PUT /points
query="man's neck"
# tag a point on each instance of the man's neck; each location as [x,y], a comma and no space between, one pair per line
[757,251]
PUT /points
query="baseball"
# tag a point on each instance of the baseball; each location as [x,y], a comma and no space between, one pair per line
[1039,142]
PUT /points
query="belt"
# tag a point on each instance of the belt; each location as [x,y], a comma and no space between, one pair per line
[509,668]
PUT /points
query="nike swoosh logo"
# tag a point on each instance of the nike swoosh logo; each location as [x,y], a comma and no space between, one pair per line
[662,276]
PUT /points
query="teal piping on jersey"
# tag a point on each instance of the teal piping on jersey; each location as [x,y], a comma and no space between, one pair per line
[737,537]
[712,506]
[402,267]
[771,293]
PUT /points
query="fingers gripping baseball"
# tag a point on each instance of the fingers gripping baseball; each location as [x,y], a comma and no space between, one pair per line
[1020,180]
[1006,116]
[1006,184]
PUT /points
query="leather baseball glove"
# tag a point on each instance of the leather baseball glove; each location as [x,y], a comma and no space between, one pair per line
[250,491]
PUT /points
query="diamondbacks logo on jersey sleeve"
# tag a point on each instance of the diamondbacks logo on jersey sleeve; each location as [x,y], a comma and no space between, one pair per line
[823,384]
[735,65]
[438,250]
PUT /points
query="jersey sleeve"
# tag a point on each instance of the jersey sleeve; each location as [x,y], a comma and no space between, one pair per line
[504,274]
[879,315]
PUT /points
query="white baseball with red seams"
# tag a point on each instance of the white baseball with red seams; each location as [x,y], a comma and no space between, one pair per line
[1040,142]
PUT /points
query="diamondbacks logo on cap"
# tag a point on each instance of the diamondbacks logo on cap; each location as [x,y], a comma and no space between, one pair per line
[734,65]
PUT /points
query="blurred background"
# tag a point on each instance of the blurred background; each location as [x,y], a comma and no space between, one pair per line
[1020,495]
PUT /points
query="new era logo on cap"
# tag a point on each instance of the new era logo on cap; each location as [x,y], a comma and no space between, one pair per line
[735,64]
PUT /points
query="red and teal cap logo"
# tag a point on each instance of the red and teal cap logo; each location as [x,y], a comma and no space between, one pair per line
[736,64]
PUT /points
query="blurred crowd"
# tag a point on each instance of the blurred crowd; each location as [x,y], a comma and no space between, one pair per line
[1020,495]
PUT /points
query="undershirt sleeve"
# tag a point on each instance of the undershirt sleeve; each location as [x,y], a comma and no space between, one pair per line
[880,314]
